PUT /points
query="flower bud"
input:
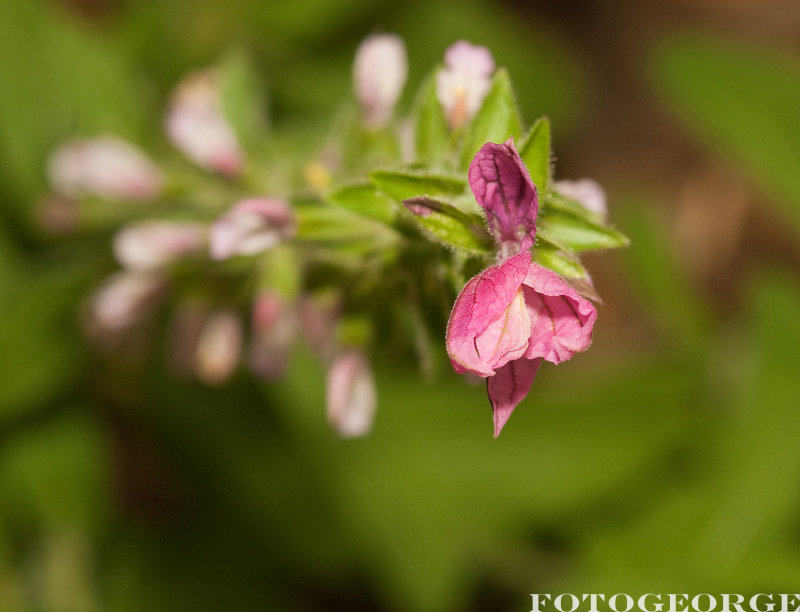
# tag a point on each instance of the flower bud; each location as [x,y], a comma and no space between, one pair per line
[251,226]
[464,81]
[351,395]
[586,191]
[124,298]
[274,327]
[379,73]
[196,125]
[153,244]
[106,167]
[219,347]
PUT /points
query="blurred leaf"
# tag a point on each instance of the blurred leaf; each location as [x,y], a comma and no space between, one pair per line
[243,98]
[535,151]
[745,100]
[656,276]
[409,184]
[579,234]
[449,225]
[431,133]
[58,82]
[40,349]
[496,121]
[56,473]
[366,200]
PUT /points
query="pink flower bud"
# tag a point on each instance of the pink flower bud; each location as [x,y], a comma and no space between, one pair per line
[319,315]
[196,125]
[274,327]
[106,167]
[379,73]
[502,186]
[219,347]
[464,81]
[153,244]
[586,191]
[251,226]
[351,395]
[124,298]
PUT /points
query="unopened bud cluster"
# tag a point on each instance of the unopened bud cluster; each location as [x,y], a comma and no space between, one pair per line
[353,246]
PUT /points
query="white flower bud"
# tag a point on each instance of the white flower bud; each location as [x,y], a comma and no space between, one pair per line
[251,226]
[464,81]
[274,327]
[586,191]
[106,167]
[124,298]
[219,347]
[153,244]
[379,73]
[351,394]
[197,127]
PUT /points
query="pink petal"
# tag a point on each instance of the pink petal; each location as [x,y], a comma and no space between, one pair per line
[484,306]
[508,387]
[503,187]
[561,319]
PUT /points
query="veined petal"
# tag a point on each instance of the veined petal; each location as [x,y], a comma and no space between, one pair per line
[561,319]
[486,330]
[504,189]
[508,387]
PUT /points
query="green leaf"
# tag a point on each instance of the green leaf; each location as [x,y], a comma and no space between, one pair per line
[243,100]
[366,200]
[557,260]
[496,121]
[431,133]
[449,225]
[745,101]
[579,234]
[535,151]
[404,185]
[552,200]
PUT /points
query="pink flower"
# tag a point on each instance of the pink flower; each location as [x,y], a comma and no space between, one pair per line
[464,82]
[153,244]
[351,396]
[510,317]
[106,167]
[197,126]
[516,313]
[379,73]
[251,226]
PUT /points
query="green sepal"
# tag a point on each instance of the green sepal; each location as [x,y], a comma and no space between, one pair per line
[402,185]
[340,231]
[448,225]
[243,100]
[559,261]
[554,201]
[579,234]
[496,121]
[535,151]
[431,134]
[366,200]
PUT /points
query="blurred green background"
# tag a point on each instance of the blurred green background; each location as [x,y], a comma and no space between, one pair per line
[665,459]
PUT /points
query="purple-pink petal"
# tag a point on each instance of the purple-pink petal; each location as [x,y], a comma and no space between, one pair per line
[486,330]
[508,387]
[503,187]
[561,319]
